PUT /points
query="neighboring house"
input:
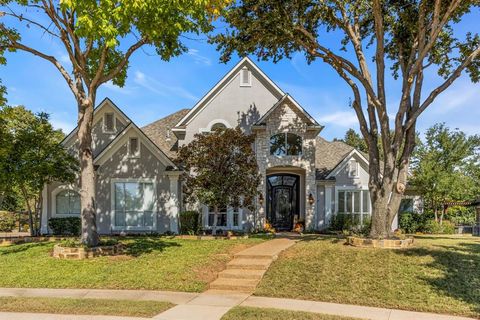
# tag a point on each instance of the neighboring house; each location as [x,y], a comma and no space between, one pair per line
[304,177]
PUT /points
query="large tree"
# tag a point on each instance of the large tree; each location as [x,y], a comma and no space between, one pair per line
[29,165]
[409,37]
[445,167]
[99,38]
[220,170]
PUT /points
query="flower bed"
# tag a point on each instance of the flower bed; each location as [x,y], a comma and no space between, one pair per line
[78,253]
[383,243]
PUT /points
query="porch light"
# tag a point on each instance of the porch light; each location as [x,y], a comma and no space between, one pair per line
[260,199]
[311,200]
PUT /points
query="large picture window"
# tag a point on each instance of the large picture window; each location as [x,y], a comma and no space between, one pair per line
[67,202]
[134,204]
[355,203]
[289,144]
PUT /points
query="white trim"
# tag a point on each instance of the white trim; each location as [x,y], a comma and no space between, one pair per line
[112,204]
[120,140]
[222,83]
[138,153]
[104,126]
[350,175]
[244,83]
[344,162]
[173,203]
[212,123]
[353,189]
[106,101]
[53,196]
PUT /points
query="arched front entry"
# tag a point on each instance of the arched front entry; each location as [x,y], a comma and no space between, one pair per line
[283,199]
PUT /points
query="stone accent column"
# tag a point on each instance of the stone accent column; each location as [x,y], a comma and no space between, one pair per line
[172,205]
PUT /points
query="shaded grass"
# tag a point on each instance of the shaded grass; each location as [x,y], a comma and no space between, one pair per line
[83,306]
[156,263]
[440,274]
[249,313]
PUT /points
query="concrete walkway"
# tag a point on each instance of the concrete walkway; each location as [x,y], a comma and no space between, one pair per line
[211,304]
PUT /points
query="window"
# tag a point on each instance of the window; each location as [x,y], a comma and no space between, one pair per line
[236,217]
[355,203]
[352,168]
[67,202]
[134,204]
[245,78]
[218,126]
[221,217]
[134,147]
[108,122]
[289,144]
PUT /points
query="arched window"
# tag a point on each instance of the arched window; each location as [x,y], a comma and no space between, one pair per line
[218,126]
[289,144]
[67,202]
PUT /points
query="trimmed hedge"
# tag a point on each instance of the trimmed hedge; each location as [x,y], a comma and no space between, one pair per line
[7,221]
[189,222]
[70,226]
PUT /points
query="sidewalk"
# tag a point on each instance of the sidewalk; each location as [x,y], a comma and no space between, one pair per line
[209,305]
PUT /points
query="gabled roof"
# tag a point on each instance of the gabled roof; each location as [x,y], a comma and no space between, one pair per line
[284,99]
[161,134]
[114,145]
[344,162]
[98,108]
[245,62]
[328,155]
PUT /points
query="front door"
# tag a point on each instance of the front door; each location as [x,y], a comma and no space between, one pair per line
[282,195]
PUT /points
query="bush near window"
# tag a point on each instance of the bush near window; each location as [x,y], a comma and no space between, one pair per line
[7,221]
[434,227]
[345,224]
[189,222]
[65,226]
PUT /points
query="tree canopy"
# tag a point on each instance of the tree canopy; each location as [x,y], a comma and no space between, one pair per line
[410,37]
[34,158]
[221,169]
[446,167]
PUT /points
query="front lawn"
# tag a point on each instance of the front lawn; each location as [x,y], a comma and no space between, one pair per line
[440,274]
[248,313]
[125,308]
[156,263]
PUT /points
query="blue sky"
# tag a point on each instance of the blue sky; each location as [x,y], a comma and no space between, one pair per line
[156,88]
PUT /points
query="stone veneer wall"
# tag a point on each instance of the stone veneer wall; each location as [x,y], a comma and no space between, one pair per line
[286,118]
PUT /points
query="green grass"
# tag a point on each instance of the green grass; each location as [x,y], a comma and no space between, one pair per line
[157,263]
[248,313]
[440,274]
[84,306]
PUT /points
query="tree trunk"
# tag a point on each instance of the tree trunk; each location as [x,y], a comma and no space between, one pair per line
[29,208]
[87,173]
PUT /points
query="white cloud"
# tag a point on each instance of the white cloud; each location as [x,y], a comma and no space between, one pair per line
[345,119]
[110,86]
[162,89]
[61,124]
[464,94]
[198,58]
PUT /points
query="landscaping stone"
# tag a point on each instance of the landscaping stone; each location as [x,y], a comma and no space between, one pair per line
[86,253]
[382,243]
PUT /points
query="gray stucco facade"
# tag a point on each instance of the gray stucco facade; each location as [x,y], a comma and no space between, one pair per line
[304,178]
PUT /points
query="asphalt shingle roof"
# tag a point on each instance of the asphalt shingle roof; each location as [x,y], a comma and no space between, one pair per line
[160,132]
[328,155]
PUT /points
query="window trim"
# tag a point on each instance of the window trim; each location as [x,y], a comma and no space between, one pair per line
[104,124]
[357,169]
[112,205]
[286,133]
[362,189]
[244,83]
[53,199]
[136,155]
[230,212]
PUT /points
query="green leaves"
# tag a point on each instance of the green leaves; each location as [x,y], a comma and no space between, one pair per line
[221,168]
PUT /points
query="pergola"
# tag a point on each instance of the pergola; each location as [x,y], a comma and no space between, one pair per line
[475,203]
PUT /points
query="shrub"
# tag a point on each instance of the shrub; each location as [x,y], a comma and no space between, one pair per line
[346,224]
[433,227]
[410,222]
[65,226]
[189,222]
[7,221]
[462,215]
